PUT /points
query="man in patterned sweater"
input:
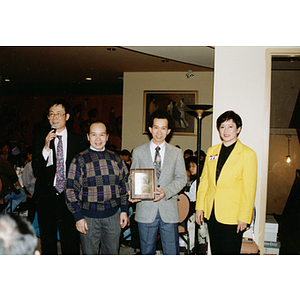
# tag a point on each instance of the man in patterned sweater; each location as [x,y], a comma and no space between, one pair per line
[96,188]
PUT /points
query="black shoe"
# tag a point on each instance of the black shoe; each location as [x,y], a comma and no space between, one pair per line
[126,244]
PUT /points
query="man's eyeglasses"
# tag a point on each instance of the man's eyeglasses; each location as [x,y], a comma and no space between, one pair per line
[58,115]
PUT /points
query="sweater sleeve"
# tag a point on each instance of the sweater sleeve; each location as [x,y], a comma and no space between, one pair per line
[73,189]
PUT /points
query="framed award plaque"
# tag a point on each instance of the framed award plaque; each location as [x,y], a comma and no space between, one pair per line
[142,183]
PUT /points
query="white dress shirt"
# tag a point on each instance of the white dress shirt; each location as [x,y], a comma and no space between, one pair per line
[48,156]
[161,151]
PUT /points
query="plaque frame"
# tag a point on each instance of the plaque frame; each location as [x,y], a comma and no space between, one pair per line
[142,184]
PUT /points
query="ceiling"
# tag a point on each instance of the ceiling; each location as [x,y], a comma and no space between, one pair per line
[53,64]
[57,70]
[106,64]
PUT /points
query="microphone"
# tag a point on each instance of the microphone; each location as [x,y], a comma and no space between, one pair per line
[53,127]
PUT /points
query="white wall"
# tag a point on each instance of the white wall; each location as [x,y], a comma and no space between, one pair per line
[133,96]
[242,80]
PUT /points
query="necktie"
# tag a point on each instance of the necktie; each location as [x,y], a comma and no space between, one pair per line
[60,166]
[157,162]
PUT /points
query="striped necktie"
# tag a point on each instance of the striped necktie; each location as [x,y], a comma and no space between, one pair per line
[60,166]
[157,162]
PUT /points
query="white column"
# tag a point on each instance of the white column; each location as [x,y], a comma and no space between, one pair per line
[242,83]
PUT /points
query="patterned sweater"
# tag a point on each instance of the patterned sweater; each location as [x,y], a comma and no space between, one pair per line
[96,185]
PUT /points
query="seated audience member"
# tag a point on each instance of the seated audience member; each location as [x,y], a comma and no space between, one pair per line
[29,179]
[187,153]
[202,155]
[125,155]
[191,188]
[6,154]
[112,148]
[17,236]
[27,175]
[191,192]
[9,180]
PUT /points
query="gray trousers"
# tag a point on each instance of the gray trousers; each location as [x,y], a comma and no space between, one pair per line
[104,233]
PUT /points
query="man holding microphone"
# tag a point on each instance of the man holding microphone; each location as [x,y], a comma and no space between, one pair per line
[53,152]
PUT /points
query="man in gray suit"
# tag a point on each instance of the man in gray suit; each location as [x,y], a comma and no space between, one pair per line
[162,212]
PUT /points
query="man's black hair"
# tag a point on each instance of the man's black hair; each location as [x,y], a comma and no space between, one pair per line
[64,103]
[160,114]
[99,122]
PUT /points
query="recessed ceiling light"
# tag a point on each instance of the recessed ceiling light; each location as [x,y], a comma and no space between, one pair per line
[88,78]
[7,79]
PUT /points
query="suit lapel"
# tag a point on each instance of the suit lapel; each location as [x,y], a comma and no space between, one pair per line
[213,161]
[168,158]
[148,157]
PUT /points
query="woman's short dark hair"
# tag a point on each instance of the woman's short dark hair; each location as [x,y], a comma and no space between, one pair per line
[229,115]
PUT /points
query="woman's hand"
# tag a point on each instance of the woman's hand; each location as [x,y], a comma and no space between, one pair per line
[199,217]
[241,226]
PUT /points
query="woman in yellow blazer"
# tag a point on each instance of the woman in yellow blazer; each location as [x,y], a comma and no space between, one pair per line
[227,188]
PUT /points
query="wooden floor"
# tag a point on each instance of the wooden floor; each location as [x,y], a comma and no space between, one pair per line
[123,251]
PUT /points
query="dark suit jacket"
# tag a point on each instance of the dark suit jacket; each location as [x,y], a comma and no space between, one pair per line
[45,175]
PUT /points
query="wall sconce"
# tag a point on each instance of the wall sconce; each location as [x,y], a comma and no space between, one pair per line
[288,157]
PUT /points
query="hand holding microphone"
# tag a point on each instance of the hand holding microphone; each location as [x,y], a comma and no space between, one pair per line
[49,140]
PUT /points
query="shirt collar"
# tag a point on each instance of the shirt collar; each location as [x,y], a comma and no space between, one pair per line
[63,133]
[92,148]
[161,146]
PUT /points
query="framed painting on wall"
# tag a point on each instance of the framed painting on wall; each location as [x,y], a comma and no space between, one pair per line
[175,104]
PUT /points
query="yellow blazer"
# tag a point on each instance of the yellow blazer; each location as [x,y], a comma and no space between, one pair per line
[234,194]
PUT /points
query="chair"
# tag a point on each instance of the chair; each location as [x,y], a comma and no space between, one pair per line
[184,207]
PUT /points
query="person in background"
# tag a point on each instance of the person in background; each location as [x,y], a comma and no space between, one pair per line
[96,188]
[187,153]
[191,192]
[28,177]
[52,155]
[227,188]
[126,155]
[11,186]
[17,236]
[7,154]
[161,213]
[28,180]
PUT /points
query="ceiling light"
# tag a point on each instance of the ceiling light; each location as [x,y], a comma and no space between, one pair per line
[7,79]
[88,78]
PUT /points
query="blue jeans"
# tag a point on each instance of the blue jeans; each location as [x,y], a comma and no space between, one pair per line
[14,201]
[168,233]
